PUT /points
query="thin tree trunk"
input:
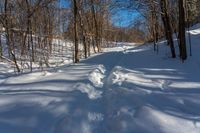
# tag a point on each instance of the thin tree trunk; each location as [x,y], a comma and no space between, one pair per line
[1,48]
[76,58]
[182,40]
[167,26]
[83,35]
[96,25]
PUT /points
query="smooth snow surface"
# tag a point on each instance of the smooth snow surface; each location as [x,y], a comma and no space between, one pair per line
[126,89]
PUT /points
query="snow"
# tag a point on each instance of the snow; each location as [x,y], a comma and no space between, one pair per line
[90,90]
[97,76]
[125,89]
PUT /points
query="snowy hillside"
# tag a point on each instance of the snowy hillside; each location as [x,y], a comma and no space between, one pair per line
[127,89]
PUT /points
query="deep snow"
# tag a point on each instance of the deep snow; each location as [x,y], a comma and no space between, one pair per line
[126,89]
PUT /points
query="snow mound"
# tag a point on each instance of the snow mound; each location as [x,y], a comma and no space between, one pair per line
[195,32]
[97,75]
[90,90]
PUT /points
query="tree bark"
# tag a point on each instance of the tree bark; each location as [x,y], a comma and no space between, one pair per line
[182,41]
[167,26]
[76,56]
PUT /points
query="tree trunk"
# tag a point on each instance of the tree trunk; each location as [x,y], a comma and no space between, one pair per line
[182,41]
[1,48]
[76,54]
[83,34]
[167,26]
[96,26]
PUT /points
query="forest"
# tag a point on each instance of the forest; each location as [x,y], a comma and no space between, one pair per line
[30,26]
[99,66]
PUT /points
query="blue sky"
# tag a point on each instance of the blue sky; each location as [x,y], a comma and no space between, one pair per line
[64,3]
[121,18]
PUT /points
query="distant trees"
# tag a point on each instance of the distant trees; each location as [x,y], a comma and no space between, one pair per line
[168,18]
[91,25]
[28,27]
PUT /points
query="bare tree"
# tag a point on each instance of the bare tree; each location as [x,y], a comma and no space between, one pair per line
[167,25]
[182,26]
[75,9]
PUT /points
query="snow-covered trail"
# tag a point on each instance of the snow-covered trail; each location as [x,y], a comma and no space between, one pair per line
[148,93]
[56,101]
[68,99]
[129,89]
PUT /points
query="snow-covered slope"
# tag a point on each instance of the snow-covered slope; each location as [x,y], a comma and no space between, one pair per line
[127,89]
